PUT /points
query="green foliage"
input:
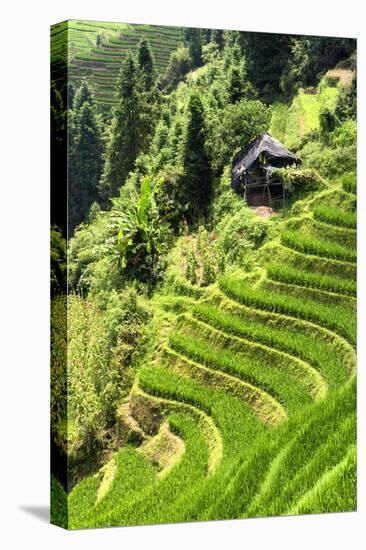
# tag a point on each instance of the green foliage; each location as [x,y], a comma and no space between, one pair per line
[346,107]
[58,361]
[83,95]
[191,267]
[101,340]
[238,230]
[59,504]
[146,64]
[193,40]
[345,135]
[142,236]
[200,257]
[266,76]
[234,128]
[85,155]
[327,121]
[300,181]
[329,161]
[178,67]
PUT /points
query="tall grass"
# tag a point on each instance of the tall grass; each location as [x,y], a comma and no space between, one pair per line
[270,379]
[288,337]
[336,318]
[298,453]
[349,183]
[306,262]
[335,216]
[309,245]
[291,275]
[152,503]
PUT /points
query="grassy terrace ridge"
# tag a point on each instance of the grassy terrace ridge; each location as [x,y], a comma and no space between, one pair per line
[267,409]
[318,247]
[259,383]
[310,262]
[303,462]
[255,362]
[334,216]
[286,274]
[338,319]
[314,347]
[323,230]
[191,468]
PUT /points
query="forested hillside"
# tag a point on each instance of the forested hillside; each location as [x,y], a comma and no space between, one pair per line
[210,350]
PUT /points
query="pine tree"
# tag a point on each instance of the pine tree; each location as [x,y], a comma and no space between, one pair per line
[85,163]
[127,133]
[193,40]
[146,65]
[197,177]
[58,157]
[235,85]
[258,48]
[217,36]
[82,95]
[89,151]
[70,94]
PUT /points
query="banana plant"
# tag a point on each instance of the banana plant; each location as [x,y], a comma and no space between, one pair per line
[140,227]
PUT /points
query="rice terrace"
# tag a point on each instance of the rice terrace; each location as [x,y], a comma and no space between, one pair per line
[203,327]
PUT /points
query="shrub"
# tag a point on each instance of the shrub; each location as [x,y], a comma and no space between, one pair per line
[239,233]
[327,121]
[349,183]
[345,135]
[329,161]
[102,337]
[226,201]
[234,128]
[200,258]
[301,181]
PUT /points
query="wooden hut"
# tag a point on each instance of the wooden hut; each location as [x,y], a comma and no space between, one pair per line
[253,174]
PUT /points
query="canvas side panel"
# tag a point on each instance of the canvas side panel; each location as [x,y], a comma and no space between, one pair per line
[58,424]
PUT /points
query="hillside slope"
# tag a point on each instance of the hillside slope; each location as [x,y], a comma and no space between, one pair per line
[256,382]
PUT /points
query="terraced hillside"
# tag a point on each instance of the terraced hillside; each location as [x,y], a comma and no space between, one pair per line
[247,407]
[96,50]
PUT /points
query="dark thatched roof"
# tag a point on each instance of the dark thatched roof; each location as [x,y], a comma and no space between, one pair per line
[275,153]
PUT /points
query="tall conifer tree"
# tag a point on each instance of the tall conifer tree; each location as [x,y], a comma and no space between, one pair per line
[197,177]
[146,64]
[125,141]
[83,94]
[85,147]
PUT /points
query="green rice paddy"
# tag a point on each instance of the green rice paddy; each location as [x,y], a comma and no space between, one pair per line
[257,381]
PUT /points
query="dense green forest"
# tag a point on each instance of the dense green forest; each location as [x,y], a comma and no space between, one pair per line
[207,366]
